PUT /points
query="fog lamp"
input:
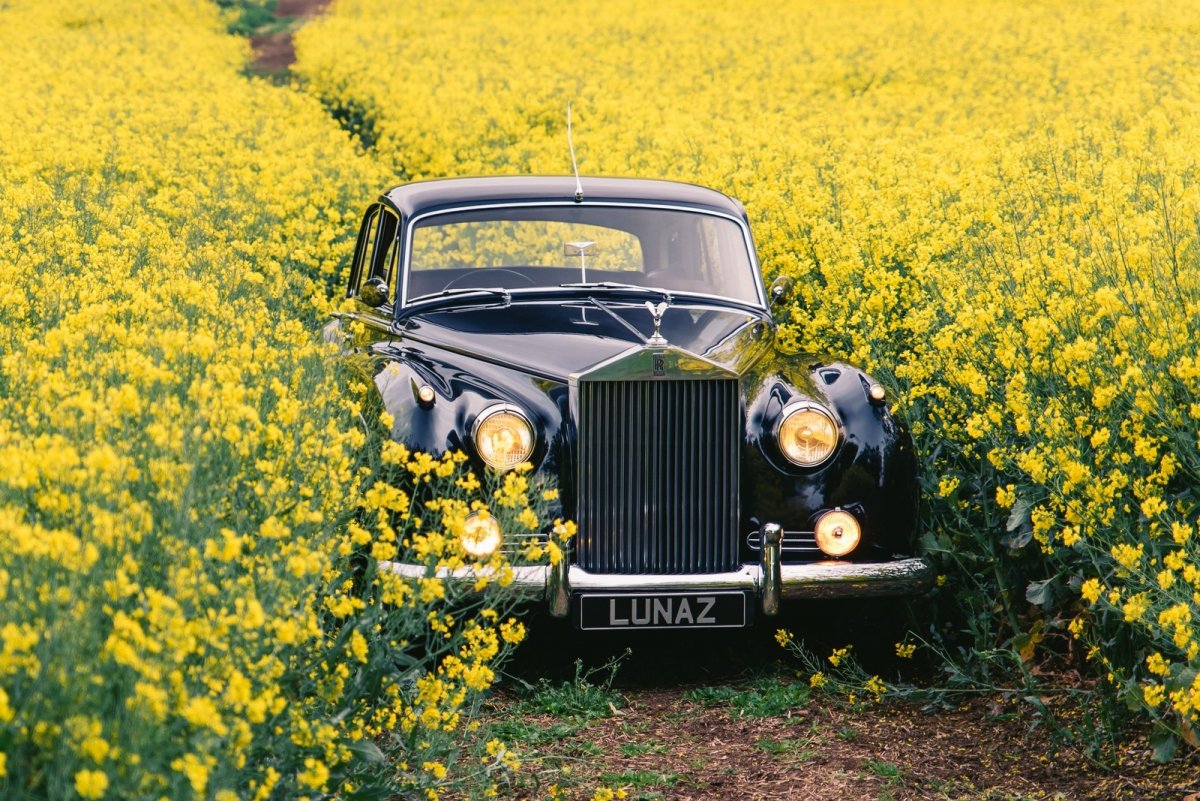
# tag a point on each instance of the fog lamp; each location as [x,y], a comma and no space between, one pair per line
[503,437]
[838,533]
[481,535]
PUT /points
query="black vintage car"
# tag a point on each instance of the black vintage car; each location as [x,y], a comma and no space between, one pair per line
[617,335]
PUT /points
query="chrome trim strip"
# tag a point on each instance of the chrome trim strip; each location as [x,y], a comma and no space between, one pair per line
[903,577]
[525,577]
[685,366]
[795,542]
[741,224]
[678,298]
[748,577]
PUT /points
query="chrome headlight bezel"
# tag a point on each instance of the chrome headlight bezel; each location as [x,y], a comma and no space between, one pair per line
[798,407]
[488,414]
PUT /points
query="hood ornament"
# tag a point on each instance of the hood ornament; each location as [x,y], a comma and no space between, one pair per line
[656,340]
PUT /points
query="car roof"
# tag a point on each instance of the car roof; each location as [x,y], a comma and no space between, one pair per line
[424,196]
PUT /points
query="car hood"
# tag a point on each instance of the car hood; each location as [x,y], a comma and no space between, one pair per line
[555,339]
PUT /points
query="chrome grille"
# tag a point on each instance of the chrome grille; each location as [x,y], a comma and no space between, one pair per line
[658,476]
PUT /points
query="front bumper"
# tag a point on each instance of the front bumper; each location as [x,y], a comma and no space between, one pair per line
[768,580]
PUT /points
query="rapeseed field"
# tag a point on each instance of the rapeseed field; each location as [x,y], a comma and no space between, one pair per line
[191,496]
[993,205]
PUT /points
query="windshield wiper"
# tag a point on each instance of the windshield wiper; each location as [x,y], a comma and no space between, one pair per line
[616,285]
[445,293]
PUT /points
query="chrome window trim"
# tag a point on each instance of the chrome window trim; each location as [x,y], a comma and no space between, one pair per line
[747,240]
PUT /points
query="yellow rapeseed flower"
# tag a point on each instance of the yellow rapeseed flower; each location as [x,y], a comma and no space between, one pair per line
[91,784]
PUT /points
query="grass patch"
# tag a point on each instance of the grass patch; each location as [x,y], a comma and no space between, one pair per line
[794,750]
[641,749]
[639,779]
[885,770]
[248,17]
[586,697]
[574,704]
[767,697]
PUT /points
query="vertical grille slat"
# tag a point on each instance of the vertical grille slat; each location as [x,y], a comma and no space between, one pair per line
[658,476]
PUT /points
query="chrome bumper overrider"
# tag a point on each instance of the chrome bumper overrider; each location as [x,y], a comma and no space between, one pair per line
[769,580]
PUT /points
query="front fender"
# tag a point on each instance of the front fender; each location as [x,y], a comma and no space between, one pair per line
[873,472]
[463,388]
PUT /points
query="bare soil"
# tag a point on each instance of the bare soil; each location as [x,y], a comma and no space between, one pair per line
[274,52]
[659,745]
[662,739]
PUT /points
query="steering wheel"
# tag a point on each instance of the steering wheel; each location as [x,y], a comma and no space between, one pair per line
[478,277]
[654,278]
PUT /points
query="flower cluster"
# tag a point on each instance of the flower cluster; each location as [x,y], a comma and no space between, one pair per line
[190,602]
[995,208]
[838,675]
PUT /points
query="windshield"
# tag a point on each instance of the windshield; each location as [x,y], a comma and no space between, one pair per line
[550,246]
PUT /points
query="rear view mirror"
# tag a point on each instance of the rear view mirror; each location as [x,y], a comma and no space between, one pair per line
[576,248]
[373,292]
[579,249]
[781,289]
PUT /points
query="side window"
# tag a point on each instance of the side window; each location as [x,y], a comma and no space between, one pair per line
[376,252]
[384,257]
[364,250]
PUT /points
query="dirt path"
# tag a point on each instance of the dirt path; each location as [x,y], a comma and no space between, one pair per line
[725,717]
[696,745]
[274,52]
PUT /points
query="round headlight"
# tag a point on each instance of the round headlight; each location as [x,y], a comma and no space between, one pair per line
[503,437]
[838,533]
[807,434]
[481,535]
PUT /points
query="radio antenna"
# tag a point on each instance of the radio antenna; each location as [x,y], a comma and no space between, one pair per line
[574,164]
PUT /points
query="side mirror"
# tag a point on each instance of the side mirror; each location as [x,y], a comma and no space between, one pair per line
[373,292]
[781,289]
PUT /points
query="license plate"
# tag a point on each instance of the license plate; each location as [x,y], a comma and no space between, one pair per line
[669,610]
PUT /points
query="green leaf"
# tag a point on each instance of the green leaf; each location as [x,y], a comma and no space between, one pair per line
[1040,593]
[1165,743]
[368,751]
[1019,525]
[1037,703]
[1026,644]
[1019,517]
[932,543]
[1182,676]
[1019,539]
